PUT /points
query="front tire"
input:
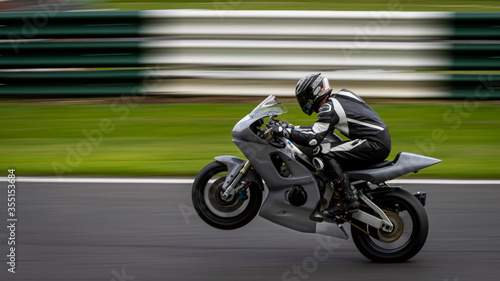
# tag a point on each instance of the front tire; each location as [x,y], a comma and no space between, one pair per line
[407,239]
[231,213]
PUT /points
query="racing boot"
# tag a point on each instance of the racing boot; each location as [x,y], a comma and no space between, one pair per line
[348,201]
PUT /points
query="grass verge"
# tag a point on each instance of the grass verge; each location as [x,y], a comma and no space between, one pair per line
[128,139]
[358,5]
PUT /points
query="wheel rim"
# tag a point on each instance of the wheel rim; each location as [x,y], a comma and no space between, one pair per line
[215,191]
[404,222]
[398,230]
[228,208]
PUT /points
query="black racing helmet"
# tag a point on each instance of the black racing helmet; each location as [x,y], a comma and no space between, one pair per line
[310,91]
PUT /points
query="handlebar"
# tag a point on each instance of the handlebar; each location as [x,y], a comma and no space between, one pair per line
[268,136]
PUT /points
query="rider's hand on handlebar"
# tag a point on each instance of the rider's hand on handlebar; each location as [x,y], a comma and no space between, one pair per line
[281,130]
[286,125]
[267,134]
[276,128]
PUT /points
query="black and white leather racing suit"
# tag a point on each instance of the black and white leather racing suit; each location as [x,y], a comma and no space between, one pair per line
[345,111]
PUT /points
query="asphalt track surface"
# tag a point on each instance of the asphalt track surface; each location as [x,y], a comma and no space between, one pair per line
[125,232]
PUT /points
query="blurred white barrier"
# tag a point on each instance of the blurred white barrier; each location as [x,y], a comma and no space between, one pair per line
[286,55]
[282,83]
[266,52]
[219,52]
[392,23]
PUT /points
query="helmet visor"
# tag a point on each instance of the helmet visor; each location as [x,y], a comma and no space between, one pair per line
[306,104]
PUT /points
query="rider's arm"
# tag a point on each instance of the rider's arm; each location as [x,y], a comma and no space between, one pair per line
[304,127]
[314,134]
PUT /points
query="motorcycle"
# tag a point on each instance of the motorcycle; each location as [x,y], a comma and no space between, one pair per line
[391,225]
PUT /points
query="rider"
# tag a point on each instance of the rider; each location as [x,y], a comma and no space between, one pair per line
[345,111]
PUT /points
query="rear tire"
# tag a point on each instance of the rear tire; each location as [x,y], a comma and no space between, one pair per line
[231,213]
[411,223]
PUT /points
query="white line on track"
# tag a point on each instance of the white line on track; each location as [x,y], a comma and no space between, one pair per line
[190,180]
[105,180]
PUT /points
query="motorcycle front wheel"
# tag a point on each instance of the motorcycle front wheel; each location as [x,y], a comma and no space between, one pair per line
[233,212]
[411,227]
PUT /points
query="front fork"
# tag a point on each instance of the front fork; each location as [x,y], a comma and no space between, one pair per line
[233,186]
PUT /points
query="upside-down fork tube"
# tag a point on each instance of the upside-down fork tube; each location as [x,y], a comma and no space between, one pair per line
[231,188]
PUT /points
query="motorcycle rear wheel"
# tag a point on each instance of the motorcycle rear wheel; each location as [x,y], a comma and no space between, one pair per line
[409,234]
[230,213]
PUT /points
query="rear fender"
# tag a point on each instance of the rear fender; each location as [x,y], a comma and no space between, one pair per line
[234,165]
[381,191]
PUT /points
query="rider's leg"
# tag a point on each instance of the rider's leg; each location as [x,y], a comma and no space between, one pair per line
[349,202]
[352,154]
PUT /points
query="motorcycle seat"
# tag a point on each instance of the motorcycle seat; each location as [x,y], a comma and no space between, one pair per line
[404,163]
[379,165]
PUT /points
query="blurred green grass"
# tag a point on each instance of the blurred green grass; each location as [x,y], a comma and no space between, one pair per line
[130,139]
[358,5]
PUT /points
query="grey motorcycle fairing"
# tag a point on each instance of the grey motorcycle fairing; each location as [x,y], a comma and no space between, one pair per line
[276,207]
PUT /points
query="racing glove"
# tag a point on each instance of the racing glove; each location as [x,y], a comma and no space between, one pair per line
[281,130]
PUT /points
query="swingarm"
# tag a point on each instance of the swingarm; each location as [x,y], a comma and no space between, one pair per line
[384,224]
